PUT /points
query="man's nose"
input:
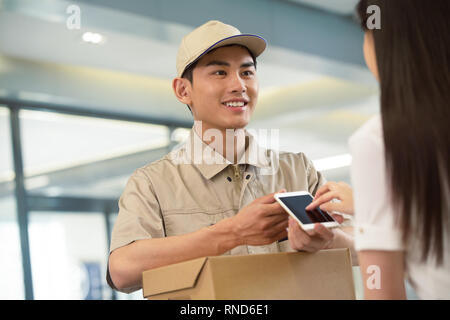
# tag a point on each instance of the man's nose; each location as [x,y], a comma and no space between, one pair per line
[237,84]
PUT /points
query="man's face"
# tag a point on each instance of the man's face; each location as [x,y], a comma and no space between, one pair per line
[225,88]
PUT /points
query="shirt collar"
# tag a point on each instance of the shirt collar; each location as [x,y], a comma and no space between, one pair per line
[210,163]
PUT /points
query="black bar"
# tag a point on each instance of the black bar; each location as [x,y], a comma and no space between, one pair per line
[21,197]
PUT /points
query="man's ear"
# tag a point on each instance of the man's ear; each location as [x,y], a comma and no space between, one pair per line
[182,89]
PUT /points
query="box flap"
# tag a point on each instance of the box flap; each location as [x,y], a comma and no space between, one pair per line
[325,274]
[174,277]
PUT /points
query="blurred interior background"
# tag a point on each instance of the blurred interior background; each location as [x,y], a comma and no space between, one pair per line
[82,108]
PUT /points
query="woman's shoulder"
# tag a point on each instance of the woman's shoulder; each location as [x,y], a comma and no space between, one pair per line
[369,135]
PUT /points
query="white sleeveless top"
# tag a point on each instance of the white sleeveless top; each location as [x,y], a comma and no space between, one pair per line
[374,223]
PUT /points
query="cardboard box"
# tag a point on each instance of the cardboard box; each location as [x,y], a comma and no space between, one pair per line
[325,274]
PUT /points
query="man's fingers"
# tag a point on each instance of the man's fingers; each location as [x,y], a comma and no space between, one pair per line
[305,241]
[297,235]
[276,221]
[291,223]
[311,232]
[281,225]
[269,198]
[295,225]
[281,235]
[310,240]
[274,209]
[314,246]
[278,231]
[323,232]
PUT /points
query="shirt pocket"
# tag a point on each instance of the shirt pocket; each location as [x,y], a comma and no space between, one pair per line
[179,222]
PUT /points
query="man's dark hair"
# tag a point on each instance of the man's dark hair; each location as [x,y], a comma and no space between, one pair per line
[188,72]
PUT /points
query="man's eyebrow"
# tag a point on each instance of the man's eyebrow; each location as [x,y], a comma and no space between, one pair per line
[217,63]
[224,63]
[247,64]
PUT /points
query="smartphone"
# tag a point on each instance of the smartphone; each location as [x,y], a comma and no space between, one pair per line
[295,203]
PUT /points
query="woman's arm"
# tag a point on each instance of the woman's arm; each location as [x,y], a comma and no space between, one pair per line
[382,274]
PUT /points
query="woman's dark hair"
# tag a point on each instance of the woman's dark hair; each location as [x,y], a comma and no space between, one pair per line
[413,59]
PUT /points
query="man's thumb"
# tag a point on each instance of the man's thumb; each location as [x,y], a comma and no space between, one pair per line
[270,198]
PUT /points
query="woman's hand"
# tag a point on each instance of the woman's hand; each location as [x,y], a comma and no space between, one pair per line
[330,191]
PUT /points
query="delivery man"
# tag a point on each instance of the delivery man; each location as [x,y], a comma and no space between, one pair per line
[214,194]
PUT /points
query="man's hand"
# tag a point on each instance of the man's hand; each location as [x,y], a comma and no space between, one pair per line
[312,240]
[261,222]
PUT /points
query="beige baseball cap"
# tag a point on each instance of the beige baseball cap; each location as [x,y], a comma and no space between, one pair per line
[211,35]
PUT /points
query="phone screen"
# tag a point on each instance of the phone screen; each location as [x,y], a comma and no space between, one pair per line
[297,205]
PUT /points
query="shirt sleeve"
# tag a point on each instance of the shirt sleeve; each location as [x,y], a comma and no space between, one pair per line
[375,227]
[139,213]
[315,178]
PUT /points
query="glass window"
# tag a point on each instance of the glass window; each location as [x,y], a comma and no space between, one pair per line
[68,255]
[66,158]
[81,156]
[11,270]
[11,279]
[6,160]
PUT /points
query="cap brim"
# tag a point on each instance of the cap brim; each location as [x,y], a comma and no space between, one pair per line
[254,43]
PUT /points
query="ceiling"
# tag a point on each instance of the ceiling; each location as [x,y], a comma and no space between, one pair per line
[315,101]
[343,7]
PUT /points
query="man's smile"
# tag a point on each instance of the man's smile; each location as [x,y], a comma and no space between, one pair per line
[238,104]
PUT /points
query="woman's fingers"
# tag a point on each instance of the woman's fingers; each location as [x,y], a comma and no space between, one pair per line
[338,218]
[330,195]
[323,189]
[331,191]
[333,206]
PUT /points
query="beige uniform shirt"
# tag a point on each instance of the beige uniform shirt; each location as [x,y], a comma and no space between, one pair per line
[182,193]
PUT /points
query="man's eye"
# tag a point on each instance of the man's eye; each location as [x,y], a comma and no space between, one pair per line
[220,72]
[248,73]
